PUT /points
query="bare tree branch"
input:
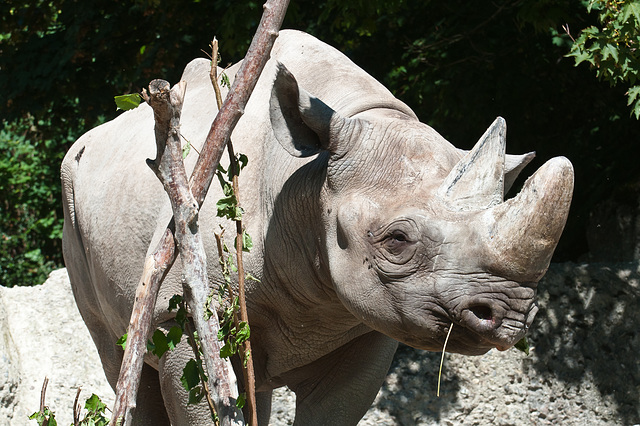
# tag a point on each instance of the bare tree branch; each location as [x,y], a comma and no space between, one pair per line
[160,261]
[169,168]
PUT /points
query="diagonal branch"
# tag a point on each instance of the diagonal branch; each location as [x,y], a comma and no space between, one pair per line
[160,261]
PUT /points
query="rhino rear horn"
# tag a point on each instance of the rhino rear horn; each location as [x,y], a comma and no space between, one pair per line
[477,181]
[513,166]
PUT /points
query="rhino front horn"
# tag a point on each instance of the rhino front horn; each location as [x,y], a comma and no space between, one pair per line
[523,231]
[477,181]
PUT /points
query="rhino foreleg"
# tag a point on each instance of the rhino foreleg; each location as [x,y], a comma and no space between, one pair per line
[343,384]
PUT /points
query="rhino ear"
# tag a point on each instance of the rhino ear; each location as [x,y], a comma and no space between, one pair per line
[301,122]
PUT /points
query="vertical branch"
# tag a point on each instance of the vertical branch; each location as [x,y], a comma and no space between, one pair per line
[43,393]
[155,269]
[246,359]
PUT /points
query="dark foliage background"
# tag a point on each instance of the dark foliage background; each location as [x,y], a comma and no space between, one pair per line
[457,64]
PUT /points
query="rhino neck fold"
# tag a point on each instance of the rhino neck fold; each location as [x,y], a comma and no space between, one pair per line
[299,316]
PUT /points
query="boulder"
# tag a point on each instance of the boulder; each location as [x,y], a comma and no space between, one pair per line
[583,366]
[43,335]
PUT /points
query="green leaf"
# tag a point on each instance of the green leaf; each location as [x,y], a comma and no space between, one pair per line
[196,394]
[243,160]
[127,102]
[227,350]
[633,100]
[608,51]
[175,300]
[186,149]
[181,317]
[160,344]
[241,401]
[247,242]
[631,8]
[523,345]
[224,80]
[174,336]
[633,94]
[38,417]
[94,404]
[228,207]
[580,56]
[42,417]
[243,333]
[190,375]
[122,341]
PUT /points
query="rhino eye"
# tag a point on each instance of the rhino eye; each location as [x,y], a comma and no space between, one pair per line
[396,242]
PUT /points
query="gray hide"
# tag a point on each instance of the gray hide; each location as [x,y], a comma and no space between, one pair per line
[368,228]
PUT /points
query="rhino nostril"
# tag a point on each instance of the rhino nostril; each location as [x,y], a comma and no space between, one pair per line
[481,318]
[482,312]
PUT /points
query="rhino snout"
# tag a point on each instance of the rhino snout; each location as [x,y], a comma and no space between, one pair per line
[499,326]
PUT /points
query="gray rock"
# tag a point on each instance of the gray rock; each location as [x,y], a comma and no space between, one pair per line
[583,367]
[9,369]
[44,336]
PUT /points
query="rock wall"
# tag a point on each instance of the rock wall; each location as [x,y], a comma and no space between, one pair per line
[583,368]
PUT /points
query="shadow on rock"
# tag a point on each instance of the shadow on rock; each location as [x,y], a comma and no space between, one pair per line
[409,392]
[587,328]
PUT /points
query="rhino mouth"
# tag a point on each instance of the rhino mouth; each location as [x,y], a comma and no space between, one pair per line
[494,325]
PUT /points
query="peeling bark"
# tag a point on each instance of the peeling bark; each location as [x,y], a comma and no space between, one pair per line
[169,168]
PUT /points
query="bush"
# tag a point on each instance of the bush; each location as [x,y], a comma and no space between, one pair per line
[30,207]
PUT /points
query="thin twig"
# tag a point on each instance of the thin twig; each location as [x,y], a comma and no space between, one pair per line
[442,358]
[213,73]
[76,409]
[246,360]
[565,27]
[43,394]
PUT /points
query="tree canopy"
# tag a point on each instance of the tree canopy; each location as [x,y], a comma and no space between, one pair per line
[457,64]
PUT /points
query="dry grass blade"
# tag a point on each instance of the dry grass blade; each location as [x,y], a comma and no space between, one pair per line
[444,347]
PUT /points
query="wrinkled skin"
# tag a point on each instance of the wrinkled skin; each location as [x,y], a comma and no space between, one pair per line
[369,228]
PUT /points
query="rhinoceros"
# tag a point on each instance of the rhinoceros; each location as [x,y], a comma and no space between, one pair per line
[368,228]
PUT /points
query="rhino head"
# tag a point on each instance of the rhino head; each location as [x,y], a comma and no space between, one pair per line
[418,235]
